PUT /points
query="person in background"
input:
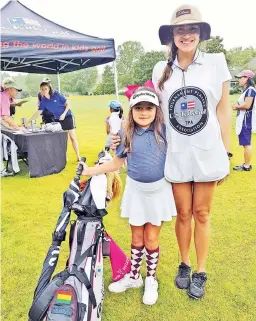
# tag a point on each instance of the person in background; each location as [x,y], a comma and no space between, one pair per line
[57,105]
[47,117]
[246,117]
[13,104]
[39,95]
[115,121]
[10,92]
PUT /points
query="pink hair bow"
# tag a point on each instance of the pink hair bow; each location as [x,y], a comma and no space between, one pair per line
[131,88]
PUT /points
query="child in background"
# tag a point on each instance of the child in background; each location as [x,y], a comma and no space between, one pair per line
[114,121]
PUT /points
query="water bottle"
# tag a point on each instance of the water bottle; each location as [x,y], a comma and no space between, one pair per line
[33,125]
[23,121]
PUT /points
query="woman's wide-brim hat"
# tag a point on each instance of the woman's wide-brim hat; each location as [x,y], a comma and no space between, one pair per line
[183,15]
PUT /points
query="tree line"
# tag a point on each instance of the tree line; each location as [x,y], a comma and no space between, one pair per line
[134,65]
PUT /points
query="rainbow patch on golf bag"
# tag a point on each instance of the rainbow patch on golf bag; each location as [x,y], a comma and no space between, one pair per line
[64,305]
[63,297]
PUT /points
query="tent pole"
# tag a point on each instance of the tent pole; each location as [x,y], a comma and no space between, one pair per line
[58,77]
[116,80]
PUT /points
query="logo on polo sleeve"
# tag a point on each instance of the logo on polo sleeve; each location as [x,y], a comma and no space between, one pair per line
[188,115]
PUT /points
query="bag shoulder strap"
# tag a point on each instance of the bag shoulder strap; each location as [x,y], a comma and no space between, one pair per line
[79,257]
[83,278]
[71,238]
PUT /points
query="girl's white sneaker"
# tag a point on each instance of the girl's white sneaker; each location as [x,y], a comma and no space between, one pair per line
[125,283]
[151,291]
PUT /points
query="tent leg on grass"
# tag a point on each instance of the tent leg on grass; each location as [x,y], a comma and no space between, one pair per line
[58,77]
[115,78]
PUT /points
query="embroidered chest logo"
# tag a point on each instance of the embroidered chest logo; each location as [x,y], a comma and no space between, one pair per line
[188,115]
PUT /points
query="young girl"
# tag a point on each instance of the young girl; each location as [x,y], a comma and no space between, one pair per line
[147,196]
[114,121]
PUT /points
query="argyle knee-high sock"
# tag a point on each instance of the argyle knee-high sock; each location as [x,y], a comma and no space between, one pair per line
[152,257]
[137,254]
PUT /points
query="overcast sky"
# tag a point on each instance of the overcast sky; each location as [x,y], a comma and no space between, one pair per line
[139,20]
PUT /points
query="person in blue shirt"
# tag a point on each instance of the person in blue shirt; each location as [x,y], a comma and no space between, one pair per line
[56,105]
[39,95]
[245,117]
[148,199]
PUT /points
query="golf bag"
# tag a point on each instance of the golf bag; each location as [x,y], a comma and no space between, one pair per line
[75,294]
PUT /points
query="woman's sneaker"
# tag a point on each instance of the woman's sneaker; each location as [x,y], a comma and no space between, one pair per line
[182,279]
[4,173]
[125,283]
[197,285]
[150,293]
[242,168]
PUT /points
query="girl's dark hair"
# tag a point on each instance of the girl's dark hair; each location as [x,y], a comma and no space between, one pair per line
[130,125]
[121,111]
[250,82]
[49,86]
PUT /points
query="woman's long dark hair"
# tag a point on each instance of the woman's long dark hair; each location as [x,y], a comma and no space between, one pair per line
[121,111]
[168,69]
[250,82]
[49,86]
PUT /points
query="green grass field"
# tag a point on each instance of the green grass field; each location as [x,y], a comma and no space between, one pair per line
[30,208]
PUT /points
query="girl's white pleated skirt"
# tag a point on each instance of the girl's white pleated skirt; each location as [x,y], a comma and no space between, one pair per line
[148,202]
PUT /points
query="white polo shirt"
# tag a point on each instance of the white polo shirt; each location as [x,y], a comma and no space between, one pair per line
[189,100]
[114,122]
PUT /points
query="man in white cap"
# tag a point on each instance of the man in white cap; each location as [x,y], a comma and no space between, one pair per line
[10,91]
[13,104]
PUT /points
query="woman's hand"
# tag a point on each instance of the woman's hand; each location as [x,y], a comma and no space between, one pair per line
[23,129]
[62,116]
[234,107]
[115,141]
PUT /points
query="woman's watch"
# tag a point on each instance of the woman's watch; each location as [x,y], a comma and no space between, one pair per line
[229,154]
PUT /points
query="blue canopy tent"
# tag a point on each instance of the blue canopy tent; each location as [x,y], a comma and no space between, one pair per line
[33,44]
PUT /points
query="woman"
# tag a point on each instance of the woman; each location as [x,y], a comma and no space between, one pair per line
[39,95]
[56,104]
[194,89]
[246,117]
